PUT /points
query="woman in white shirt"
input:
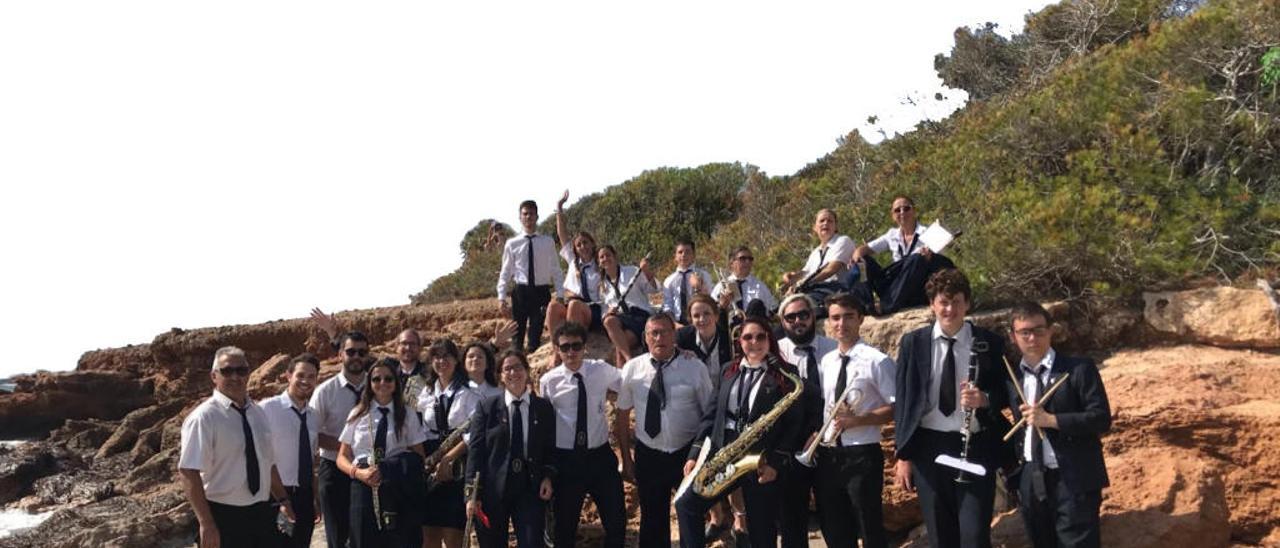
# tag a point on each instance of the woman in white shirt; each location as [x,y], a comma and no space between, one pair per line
[901,284]
[446,404]
[381,449]
[480,364]
[625,291]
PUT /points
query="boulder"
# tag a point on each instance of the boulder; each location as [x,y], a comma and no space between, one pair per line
[886,332]
[126,434]
[20,469]
[56,397]
[1165,497]
[1221,316]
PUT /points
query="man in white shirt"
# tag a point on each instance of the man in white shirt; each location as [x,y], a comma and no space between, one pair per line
[804,347]
[901,284]
[297,436]
[529,262]
[742,291]
[670,392]
[332,403]
[821,273]
[682,284]
[577,389]
[858,389]
[226,462]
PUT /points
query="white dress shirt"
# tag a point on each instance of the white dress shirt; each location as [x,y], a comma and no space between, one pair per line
[282,417]
[612,290]
[573,282]
[893,241]
[1049,457]
[752,288]
[333,401]
[792,353]
[559,386]
[359,434]
[870,371]
[934,419]
[515,263]
[838,249]
[671,302]
[213,443]
[715,369]
[688,390]
[462,403]
[510,399]
[484,390]
[735,393]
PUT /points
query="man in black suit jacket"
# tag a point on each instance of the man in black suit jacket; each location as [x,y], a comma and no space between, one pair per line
[934,393]
[760,491]
[1063,473]
[514,476]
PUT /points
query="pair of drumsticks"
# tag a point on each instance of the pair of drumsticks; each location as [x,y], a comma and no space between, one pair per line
[1043,399]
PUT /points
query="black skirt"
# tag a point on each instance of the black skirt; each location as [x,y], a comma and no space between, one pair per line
[445,505]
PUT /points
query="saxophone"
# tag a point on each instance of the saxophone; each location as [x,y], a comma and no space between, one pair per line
[450,441]
[711,478]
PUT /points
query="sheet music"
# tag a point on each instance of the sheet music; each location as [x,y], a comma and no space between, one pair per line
[936,237]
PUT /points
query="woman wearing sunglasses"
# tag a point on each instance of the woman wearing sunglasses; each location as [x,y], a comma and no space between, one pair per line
[445,404]
[381,449]
[901,284]
[750,387]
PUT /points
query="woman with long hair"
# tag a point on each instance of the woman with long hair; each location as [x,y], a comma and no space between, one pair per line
[750,387]
[445,404]
[581,281]
[625,292]
[481,369]
[381,449]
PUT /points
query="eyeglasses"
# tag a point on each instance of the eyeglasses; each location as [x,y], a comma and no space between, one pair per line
[745,258]
[234,371]
[754,337]
[378,379]
[1039,331]
[902,209]
[800,316]
[571,347]
[353,352]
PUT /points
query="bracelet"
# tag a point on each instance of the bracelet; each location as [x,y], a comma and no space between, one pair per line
[738,514]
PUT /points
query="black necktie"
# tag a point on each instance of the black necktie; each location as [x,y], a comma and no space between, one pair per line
[1037,444]
[380,437]
[442,412]
[580,432]
[532,280]
[947,392]
[742,296]
[842,380]
[582,281]
[822,256]
[657,400]
[517,431]
[304,450]
[746,380]
[250,452]
[811,368]
[684,295]
[355,392]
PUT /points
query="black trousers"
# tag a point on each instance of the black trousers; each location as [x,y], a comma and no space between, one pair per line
[524,511]
[796,486]
[304,507]
[529,310]
[594,473]
[252,526]
[899,285]
[1062,519]
[957,515]
[658,473]
[763,508]
[850,489]
[335,503]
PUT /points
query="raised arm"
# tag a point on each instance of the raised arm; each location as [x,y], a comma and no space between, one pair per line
[561,231]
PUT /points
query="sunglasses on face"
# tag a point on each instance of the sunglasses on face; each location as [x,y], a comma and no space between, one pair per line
[746,258]
[380,379]
[235,371]
[902,209]
[754,337]
[571,347]
[798,316]
[353,352]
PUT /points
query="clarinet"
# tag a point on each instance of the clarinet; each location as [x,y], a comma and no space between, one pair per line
[377,490]
[966,434]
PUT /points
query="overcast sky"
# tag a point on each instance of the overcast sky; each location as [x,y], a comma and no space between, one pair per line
[176,164]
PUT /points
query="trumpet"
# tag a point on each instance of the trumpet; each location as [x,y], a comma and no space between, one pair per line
[727,287]
[827,434]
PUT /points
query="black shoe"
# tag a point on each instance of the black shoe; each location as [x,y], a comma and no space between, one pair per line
[714,531]
[740,539]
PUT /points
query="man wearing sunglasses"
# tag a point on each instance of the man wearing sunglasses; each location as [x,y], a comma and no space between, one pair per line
[901,284]
[332,403]
[227,461]
[749,295]
[577,389]
[804,347]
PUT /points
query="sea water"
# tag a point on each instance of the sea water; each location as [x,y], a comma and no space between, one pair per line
[13,521]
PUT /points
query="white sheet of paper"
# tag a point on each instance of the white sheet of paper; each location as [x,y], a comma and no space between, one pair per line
[936,237]
[970,467]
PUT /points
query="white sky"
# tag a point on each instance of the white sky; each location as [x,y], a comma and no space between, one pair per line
[176,164]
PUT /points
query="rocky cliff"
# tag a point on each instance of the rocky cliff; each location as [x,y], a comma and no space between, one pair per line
[1193,451]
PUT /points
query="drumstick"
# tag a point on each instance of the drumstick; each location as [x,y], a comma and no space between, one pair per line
[1018,386]
[1047,394]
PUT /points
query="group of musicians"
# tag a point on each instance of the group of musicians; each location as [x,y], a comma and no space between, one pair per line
[743,414]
